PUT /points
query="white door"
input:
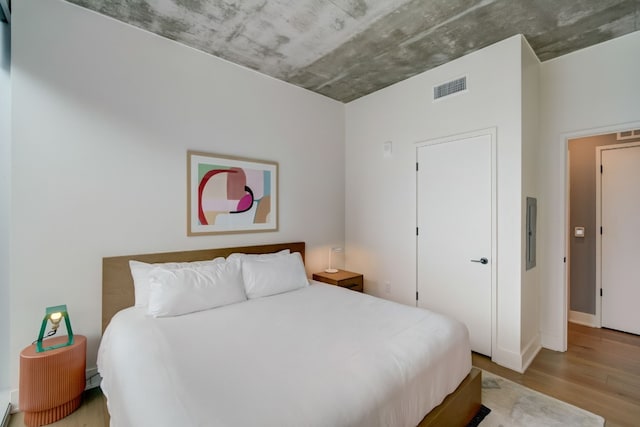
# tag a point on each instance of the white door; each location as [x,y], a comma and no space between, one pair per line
[620,269]
[455,233]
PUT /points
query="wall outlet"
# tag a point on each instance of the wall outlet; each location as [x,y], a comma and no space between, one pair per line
[387,287]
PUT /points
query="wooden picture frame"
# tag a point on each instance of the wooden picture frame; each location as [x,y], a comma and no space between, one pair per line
[230,194]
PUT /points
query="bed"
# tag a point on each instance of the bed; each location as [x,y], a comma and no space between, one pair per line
[318,355]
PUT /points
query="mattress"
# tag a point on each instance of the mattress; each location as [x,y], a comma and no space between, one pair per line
[318,356]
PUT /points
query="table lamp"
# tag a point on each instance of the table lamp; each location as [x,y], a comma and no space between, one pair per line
[54,315]
[330,269]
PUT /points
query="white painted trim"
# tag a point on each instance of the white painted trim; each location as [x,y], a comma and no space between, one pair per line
[585,319]
[598,314]
[494,237]
[599,150]
[93,378]
[553,342]
[508,359]
[13,401]
[567,250]
[492,132]
[458,136]
[566,136]
[519,362]
[530,352]
[4,422]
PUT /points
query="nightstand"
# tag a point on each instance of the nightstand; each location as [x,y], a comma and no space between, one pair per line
[52,381]
[344,279]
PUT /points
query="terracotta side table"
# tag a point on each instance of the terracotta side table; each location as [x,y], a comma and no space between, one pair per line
[52,382]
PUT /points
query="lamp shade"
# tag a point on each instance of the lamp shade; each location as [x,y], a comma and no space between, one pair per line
[55,315]
[331,251]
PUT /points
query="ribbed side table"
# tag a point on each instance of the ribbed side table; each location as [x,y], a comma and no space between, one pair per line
[52,382]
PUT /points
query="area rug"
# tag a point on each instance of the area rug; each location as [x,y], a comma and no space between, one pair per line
[513,405]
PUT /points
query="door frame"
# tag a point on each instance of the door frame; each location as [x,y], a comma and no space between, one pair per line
[492,132]
[599,150]
[566,136]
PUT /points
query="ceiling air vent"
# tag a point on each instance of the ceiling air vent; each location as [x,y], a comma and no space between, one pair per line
[449,88]
[628,134]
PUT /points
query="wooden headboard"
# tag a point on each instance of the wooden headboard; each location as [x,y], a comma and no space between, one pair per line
[117,283]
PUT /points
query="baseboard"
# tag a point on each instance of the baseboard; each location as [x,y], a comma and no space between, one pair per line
[553,342]
[585,319]
[518,362]
[93,378]
[13,401]
[508,359]
[7,416]
[530,352]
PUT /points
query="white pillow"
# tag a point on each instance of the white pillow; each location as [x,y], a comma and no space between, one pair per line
[244,257]
[140,273]
[270,276]
[176,291]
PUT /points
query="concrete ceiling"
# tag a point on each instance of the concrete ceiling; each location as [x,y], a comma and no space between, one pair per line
[346,49]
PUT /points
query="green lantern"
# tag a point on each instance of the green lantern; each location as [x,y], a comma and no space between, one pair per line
[55,316]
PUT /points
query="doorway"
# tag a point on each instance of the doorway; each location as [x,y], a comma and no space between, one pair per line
[583,226]
[455,232]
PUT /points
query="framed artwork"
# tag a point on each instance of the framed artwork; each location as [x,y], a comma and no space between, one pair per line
[230,194]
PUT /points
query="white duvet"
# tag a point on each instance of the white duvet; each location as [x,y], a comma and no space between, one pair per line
[318,356]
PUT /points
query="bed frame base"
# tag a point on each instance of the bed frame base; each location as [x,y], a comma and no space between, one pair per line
[459,407]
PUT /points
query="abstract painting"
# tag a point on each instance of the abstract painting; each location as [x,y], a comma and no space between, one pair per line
[230,194]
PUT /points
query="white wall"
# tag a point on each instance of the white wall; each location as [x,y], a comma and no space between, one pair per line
[103,114]
[5,202]
[590,91]
[530,302]
[381,192]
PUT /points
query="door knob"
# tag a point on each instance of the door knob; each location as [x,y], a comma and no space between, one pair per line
[481,260]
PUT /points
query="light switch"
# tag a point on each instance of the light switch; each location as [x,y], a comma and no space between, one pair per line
[387,148]
[578,232]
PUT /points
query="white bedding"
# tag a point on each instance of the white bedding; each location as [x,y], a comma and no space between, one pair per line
[317,356]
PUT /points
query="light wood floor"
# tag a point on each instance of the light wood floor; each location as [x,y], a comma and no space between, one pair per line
[600,372]
[92,413]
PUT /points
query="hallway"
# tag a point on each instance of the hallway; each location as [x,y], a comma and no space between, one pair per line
[599,372]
